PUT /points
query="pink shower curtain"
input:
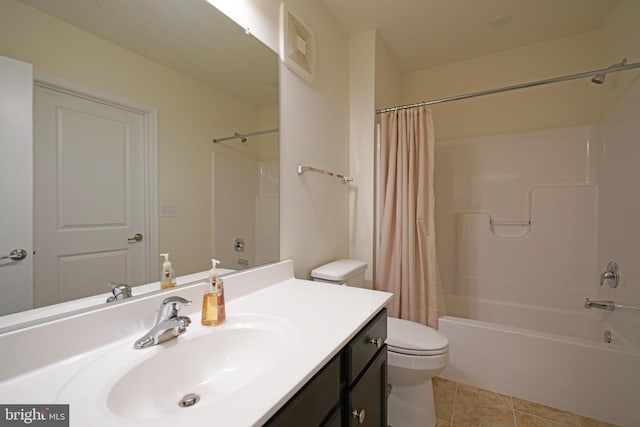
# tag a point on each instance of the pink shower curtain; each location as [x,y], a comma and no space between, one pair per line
[406,261]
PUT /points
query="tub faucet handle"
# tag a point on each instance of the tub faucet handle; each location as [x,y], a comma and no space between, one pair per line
[611,275]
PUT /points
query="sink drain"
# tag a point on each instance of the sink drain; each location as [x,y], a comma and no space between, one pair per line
[189,400]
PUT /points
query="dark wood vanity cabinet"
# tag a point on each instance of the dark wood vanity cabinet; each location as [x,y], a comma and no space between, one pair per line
[350,390]
[365,375]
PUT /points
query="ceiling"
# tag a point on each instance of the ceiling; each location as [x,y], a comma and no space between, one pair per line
[426,33]
[189,36]
[194,38]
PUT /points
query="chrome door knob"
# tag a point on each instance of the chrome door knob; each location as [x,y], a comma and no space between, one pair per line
[359,415]
[136,238]
[16,255]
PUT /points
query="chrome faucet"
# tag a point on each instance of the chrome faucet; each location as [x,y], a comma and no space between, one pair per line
[168,324]
[120,291]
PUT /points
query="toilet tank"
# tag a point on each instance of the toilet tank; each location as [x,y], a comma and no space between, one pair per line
[343,271]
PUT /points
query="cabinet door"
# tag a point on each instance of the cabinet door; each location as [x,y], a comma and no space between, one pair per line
[335,419]
[311,405]
[368,397]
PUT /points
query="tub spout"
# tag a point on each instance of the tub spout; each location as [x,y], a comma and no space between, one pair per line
[602,305]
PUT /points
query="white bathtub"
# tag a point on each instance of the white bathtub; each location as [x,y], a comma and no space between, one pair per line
[554,357]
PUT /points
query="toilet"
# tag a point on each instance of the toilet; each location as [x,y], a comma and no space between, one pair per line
[415,354]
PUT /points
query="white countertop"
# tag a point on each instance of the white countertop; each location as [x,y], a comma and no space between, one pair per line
[319,320]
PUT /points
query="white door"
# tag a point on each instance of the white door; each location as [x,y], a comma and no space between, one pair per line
[89,196]
[16,183]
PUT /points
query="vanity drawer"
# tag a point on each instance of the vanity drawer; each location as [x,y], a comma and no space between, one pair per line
[313,403]
[364,346]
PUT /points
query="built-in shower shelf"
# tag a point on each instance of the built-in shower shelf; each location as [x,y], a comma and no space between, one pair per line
[521,223]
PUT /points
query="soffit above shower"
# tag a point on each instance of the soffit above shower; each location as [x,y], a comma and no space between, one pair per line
[427,33]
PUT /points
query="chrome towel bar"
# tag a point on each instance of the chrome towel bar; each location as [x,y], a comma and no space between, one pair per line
[302,169]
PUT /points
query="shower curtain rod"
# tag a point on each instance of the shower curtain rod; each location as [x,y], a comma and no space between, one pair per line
[243,136]
[612,69]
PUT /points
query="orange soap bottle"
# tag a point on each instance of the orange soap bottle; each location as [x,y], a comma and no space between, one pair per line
[213,310]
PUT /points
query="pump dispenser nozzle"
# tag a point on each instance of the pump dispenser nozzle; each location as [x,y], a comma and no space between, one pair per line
[214,270]
[166,274]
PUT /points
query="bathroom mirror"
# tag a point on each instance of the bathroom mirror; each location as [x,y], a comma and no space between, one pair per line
[202,77]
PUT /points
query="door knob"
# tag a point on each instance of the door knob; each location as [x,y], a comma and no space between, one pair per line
[16,255]
[136,238]
[359,415]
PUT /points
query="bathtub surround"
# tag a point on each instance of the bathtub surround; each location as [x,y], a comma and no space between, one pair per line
[406,263]
[528,222]
[246,211]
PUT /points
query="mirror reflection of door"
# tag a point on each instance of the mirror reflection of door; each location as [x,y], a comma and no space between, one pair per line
[89,195]
[16,87]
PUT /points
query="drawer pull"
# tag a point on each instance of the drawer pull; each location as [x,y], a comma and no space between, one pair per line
[376,341]
[359,415]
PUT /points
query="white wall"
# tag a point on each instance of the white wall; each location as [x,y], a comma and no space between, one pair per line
[362,54]
[314,129]
[375,82]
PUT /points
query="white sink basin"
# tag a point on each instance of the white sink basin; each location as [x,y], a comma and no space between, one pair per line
[214,363]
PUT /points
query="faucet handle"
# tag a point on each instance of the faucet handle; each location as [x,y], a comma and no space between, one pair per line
[170,307]
[611,276]
[175,300]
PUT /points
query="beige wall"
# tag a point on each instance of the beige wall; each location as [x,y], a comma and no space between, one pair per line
[388,77]
[361,136]
[269,118]
[374,81]
[190,114]
[314,130]
[561,104]
[621,39]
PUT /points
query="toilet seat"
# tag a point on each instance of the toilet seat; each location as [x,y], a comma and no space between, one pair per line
[411,338]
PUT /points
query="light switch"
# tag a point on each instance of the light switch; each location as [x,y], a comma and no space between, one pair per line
[168,210]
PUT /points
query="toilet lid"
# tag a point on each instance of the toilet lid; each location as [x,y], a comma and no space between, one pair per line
[406,337]
[339,271]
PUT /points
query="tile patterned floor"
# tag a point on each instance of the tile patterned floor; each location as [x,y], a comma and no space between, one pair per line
[461,405]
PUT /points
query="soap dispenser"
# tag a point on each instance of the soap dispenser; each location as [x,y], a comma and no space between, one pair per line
[166,274]
[213,310]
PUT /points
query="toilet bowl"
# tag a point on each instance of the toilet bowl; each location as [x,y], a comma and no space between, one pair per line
[415,354]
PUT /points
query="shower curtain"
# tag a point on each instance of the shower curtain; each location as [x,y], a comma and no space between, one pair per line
[406,261]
